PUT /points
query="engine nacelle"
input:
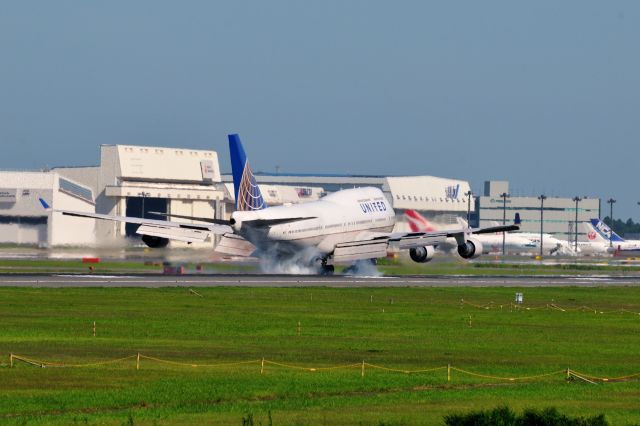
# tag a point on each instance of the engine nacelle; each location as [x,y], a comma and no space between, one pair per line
[471,249]
[422,254]
[155,242]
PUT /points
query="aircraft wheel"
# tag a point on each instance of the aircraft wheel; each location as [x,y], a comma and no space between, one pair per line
[327,270]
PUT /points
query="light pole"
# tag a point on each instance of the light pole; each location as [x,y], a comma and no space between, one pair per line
[143,195]
[469,194]
[575,246]
[541,198]
[504,196]
[611,201]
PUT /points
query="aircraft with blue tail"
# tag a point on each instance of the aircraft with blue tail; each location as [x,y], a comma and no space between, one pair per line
[340,228]
[618,246]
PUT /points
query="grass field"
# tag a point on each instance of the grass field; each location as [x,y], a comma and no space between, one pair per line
[401,328]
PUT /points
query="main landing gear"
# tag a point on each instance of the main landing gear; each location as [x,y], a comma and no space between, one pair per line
[324,269]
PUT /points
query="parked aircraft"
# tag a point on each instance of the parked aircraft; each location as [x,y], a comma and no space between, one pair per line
[614,243]
[491,243]
[596,245]
[342,227]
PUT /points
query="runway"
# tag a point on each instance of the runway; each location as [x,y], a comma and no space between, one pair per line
[338,281]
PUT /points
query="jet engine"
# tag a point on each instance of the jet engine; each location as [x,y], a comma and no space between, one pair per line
[155,242]
[471,249]
[422,254]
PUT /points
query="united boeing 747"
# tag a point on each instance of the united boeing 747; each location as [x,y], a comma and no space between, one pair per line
[342,227]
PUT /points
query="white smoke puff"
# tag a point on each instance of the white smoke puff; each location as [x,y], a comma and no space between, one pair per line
[363,268]
[302,262]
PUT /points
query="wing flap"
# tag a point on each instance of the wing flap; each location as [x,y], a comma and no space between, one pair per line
[196,218]
[264,223]
[357,250]
[234,245]
[421,241]
[179,234]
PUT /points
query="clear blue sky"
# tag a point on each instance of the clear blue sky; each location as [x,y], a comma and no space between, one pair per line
[545,94]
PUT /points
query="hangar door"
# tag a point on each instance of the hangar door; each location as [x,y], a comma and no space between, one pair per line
[140,207]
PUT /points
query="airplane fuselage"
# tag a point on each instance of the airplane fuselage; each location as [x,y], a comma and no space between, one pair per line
[343,216]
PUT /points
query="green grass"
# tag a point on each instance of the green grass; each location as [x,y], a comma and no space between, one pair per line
[403,328]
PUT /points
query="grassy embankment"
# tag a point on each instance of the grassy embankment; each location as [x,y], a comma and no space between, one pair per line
[407,329]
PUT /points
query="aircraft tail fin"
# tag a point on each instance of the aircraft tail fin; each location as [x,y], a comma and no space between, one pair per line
[417,222]
[44,204]
[604,231]
[247,192]
[592,233]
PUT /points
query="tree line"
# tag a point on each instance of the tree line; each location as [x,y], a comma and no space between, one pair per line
[621,227]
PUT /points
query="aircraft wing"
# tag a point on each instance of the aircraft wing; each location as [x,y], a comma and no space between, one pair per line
[211,227]
[376,244]
[494,229]
[188,232]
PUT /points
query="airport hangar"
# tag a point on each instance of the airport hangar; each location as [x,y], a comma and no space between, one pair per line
[137,180]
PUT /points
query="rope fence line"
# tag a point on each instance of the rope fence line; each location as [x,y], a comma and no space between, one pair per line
[297,367]
[511,379]
[568,373]
[396,370]
[43,364]
[548,306]
[189,364]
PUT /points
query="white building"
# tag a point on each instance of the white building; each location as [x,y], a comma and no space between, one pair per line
[440,200]
[23,220]
[137,180]
[559,214]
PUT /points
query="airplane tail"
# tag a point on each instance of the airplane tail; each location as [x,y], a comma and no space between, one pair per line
[592,234]
[247,192]
[604,232]
[417,222]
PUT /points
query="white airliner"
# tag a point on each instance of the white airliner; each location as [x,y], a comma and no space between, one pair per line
[596,245]
[614,244]
[342,227]
[516,242]
[491,243]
